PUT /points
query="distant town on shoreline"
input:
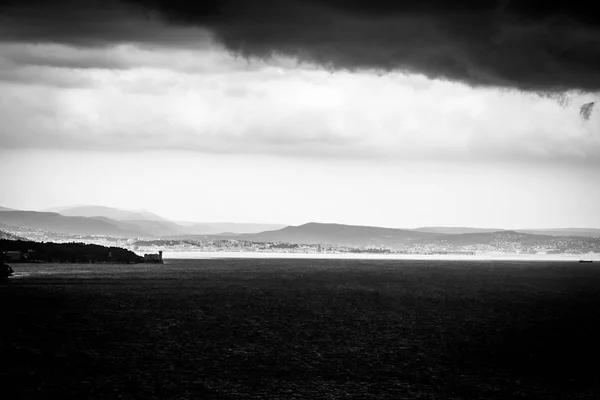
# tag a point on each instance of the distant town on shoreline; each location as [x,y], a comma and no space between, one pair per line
[147,233]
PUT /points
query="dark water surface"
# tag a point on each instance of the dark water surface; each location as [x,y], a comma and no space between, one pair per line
[302,329]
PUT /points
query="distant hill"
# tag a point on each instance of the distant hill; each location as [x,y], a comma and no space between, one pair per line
[363,236]
[465,239]
[108,221]
[314,233]
[102,225]
[155,225]
[455,230]
[504,241]
[68,225]
[106,212]
[581,232]
[349,235]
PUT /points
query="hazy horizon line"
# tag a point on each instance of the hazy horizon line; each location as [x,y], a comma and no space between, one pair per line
[178,220]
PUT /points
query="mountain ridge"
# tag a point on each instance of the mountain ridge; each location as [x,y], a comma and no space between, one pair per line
[331,233]
[311,232]
[136,228]
[327,237]
[153,224]
[103,211]
[58,223]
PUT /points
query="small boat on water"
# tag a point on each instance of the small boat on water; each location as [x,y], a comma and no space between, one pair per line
[586,261]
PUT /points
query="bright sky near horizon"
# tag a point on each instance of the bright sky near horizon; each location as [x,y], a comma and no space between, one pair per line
[196,132]
[271,189]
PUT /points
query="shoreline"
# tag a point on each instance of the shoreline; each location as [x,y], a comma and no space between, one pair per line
[199,255]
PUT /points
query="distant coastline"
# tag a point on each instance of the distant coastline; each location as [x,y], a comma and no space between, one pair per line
[314,240]
[199,255]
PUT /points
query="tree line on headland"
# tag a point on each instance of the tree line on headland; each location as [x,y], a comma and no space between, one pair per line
[26,251]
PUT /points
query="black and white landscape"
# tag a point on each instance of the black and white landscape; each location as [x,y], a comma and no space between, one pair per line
[372,113]
[145,231]
[299,199]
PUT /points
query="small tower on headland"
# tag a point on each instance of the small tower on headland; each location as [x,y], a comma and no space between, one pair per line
[154,258]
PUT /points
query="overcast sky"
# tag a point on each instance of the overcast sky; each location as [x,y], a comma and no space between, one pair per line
[294,111]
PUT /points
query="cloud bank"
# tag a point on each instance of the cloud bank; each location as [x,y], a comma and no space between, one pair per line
[296,78]
[252,108]
[531,46]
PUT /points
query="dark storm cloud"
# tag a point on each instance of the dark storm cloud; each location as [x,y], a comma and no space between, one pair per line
[527,45]
[89,23]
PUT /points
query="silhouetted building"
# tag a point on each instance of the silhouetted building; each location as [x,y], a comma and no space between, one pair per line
[154,258]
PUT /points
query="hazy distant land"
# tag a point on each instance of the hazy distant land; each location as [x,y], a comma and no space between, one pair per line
[150,233]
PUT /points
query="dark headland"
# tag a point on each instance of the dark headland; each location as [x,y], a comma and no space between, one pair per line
[29,251]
